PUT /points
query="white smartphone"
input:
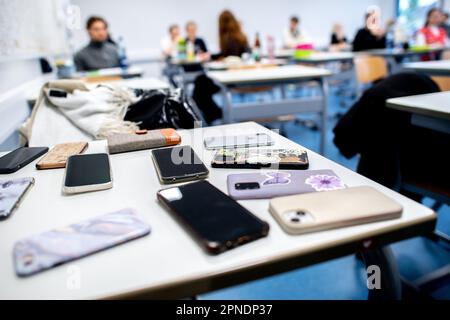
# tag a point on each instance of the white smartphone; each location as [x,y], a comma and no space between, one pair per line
[238,141]
[87,172]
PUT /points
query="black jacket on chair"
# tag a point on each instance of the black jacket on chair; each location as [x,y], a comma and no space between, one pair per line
[388,144]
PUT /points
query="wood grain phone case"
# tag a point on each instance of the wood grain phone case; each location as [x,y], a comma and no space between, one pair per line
[57,156]
[333,209]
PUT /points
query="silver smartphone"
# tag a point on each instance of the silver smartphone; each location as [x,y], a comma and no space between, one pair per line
[238,141]
[87,172]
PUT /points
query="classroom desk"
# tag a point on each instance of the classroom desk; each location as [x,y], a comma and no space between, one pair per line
[392,55]
[264,63]
[131,72]
[432,68]
[431,111]
[398,52]
[326,57]
[276,76]
[168,263]
[284,53]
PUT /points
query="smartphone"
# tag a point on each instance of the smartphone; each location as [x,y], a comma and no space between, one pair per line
[11,194]
[284,159]
[239,141]
[333,209]
[215,220]
[271,184]
[19,158]
[58,246]
[57,156]
[87,172]
[142,139]
[178,164]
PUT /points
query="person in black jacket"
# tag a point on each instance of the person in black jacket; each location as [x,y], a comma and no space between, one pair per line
[391,149]
[372,36]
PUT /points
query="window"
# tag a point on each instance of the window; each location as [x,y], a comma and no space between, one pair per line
[413,12]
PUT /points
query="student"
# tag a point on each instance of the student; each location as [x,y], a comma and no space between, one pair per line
[99,53]
[294,35]
[432,33]
[372,36]
[200,49]
[338,39]
[170,42]
[233,41]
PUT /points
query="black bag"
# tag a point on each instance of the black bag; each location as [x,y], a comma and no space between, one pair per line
[159,109]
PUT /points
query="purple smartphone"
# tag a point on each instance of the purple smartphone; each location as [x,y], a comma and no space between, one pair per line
[52,248]
[267,185]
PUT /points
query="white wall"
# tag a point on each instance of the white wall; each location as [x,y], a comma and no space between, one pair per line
[143,23]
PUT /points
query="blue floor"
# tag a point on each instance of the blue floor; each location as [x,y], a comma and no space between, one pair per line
[342,278]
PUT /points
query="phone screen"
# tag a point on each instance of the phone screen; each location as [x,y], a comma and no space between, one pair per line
[219,222]
[178,163]
[87,169]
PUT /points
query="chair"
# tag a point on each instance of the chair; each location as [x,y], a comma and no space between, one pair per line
[370,69]
[442,82]
[445,55]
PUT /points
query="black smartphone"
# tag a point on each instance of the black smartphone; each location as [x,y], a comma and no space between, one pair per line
[178,164]
[19,158]
[87,172]
[215,220]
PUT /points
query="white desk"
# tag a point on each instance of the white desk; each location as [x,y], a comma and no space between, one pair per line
[326,57]
[398,52]
[130,72]
[264,63]
[428,110]
[284,53]
[168,263]
[392,55]
[143,83]
[432,68]
[275,76]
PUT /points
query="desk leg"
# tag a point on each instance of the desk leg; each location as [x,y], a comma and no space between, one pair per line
[324,114]
[227,104]
[390,281]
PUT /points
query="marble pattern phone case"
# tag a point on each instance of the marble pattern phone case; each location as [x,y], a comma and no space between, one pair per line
[52,248]
[11,193]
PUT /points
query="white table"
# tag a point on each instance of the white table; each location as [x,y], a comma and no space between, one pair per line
[432,68]
[222,65]
[130,72]
[168,262]
[392,55]
[326,57]
[275,76]
[431,111]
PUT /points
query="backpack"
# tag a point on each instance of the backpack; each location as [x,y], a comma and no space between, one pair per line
[159,109]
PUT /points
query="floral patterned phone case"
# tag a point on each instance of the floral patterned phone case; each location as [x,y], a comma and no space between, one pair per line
[271,184]
[287,159]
